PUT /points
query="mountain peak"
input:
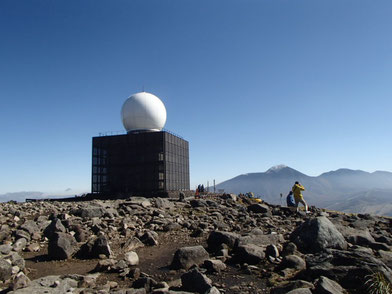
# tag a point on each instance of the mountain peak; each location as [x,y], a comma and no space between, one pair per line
[276,168]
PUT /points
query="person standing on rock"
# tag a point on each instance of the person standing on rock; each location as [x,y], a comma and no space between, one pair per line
[297,191]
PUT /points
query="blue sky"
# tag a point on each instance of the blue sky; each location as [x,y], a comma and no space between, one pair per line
[250,84]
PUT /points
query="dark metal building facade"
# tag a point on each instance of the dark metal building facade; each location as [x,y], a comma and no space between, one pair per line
[148,163]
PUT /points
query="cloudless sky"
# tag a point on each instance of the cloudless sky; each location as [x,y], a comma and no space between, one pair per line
[249,83]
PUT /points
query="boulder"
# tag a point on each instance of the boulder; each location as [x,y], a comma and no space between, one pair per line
[294,262]
[259,208]
[217,238]
[195,281]
[328,286]
[142,201]
[214,266]
[20,244]
[30,226]
[131,258]
[149,238]
[260,239]
[89,211]
[249,253]
[101,246]
[16,260]
[348,268]
[61,246]
[355,236]
[186,257]
[198,203]
[20,281]
[317,234]
[132,244]
[54,227]
[5,270]
[232,197]
[50,285]
[291,285]
[5,249]
[163,203]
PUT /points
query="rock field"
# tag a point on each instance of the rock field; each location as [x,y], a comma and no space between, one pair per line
[218,244]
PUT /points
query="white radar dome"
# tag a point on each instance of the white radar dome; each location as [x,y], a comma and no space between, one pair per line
[143,112]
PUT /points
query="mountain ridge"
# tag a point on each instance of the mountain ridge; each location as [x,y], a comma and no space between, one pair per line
[322,191]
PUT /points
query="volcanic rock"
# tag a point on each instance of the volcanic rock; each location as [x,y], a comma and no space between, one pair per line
[317,234]
[186,257]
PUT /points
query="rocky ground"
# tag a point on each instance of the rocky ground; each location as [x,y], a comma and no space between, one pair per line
[219,244]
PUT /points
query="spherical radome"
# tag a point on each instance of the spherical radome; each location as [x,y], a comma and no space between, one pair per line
[143,112]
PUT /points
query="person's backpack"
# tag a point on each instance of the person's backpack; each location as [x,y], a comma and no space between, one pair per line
[290,200]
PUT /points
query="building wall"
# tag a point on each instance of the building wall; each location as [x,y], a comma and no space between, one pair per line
[145,164]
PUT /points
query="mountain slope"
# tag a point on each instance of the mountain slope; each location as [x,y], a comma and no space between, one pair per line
[332,189]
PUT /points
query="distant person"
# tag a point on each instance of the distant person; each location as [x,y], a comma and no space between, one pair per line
[197,194]
[290,200]
[297,191]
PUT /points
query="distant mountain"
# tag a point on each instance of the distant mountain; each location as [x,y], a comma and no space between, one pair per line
[376,201]
[331,189]
[22,196]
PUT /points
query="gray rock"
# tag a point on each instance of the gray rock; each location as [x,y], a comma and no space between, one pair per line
[198,203]
[80,233]
[101,246]
[259,208]
[349,268]
[300,291]
[61,246]
[379,246]
[232,197]
[289,249]
[355,236]
[261,239]
[249,253]
[132,244]
[163,203]
[217,238]
[293,261]
[5,270]
[142,201]
[20,281]
[30,226]
[5,249]
[16,260]
[186,257]
[131,258]
[386,257]
[291,285]
[149,238]
[90,211]
[145,282]
[20,244]
[54,227]
[317,234]
[22,234]
[213,265]
[49,285]
[195,281]
[328,286]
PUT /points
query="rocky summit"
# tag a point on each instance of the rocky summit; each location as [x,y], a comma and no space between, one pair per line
[217,244]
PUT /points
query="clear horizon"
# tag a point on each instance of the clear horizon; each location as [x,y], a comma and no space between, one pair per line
[250,84]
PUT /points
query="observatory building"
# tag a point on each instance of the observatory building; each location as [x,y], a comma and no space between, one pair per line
[146,161]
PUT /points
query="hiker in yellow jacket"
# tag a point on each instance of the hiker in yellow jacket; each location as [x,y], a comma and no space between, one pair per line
[297,191]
